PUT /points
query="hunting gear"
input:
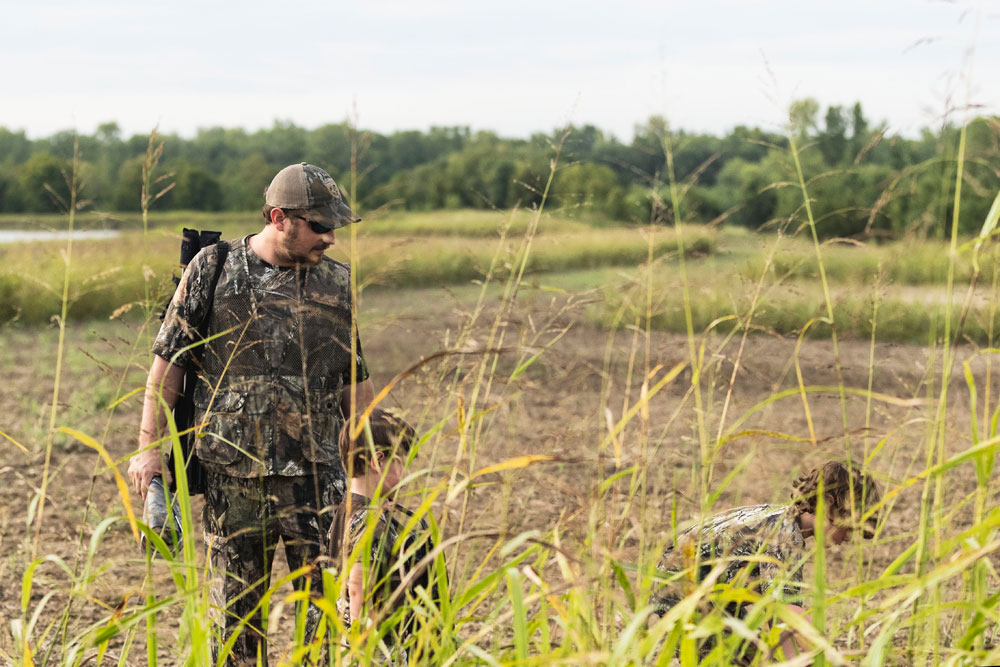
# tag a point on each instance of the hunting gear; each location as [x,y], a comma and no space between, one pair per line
[274,368]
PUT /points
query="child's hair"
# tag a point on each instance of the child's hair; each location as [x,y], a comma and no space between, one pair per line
[840,480]
[390,435]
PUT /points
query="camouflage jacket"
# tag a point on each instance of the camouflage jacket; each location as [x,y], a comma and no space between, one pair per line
[270,379]
[375,537]
[768,533]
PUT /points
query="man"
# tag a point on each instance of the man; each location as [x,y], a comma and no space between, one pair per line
[762,547]
[274,387]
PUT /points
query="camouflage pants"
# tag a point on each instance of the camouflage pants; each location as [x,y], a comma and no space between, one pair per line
[244,520]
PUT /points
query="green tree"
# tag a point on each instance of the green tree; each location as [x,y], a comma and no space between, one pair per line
[860,134]
[243,183]
[128,186]
[10,191]
[744,190]
[647,157]
[195,189]
[697,158]
[15,147]
[832,141]
[42,172]
[107,160]
[284,143]
[583,185]
[844,202]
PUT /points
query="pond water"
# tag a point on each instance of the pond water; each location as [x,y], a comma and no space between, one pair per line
[22,235]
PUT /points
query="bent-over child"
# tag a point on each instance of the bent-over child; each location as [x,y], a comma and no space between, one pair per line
[388,548]
[761,547]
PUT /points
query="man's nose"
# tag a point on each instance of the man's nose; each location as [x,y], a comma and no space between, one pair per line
[328,237]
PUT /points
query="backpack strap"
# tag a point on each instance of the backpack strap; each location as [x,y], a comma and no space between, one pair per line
[221,253]
[184,408]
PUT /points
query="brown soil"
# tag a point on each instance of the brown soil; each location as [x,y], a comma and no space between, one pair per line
[561,405]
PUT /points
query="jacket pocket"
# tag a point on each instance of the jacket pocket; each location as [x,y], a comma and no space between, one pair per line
[321,427]
[235,423]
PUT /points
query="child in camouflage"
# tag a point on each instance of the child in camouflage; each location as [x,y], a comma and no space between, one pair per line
[378,534]
[762,547]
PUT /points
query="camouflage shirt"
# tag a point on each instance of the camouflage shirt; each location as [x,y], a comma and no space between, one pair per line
[387,555]
[278,354]
[769,533]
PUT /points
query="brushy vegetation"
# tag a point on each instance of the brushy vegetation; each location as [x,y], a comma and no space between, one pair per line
[575,591]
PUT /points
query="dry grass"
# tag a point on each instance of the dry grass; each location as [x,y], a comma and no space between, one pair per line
[558,457]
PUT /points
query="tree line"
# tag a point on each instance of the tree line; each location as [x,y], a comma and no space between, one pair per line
[862,180]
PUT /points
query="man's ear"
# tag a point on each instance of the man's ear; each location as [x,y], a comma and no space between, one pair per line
[279,219]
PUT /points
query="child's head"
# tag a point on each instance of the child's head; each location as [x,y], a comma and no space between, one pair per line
[840,481]
[392,439]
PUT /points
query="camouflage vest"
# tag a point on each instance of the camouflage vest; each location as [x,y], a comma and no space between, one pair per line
[271,381]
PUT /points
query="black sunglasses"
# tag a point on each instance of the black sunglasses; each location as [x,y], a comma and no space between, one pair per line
[315,226]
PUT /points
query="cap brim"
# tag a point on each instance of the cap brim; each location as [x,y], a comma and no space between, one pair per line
[335,215]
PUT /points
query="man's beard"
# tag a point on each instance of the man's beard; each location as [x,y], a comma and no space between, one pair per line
[293,256]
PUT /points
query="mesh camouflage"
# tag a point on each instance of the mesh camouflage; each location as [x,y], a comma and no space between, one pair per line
[271,379]
[768,531]
[269,390]
[758,546]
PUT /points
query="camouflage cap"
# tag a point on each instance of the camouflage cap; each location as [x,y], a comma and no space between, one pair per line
[309,188]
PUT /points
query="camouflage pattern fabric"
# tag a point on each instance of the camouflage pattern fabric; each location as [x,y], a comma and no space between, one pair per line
[374,535]
[278,355]
[326,202]
[272,377]
[244,520]
[307,187]
[770,534]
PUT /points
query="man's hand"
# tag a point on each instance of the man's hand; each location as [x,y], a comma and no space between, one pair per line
[143,467]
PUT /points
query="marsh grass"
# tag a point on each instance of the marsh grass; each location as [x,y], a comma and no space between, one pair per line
[110,277]
[669,440]
[464,223]
[905,317]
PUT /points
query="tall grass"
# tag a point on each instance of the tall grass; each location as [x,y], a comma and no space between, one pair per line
[108,277]
[676,434]
[67,256]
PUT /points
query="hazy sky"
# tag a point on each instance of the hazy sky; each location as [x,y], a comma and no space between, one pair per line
[513,66]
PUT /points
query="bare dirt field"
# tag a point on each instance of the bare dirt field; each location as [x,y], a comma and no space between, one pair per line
[561,405]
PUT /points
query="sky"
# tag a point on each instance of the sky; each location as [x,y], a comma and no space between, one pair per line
[513,67]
